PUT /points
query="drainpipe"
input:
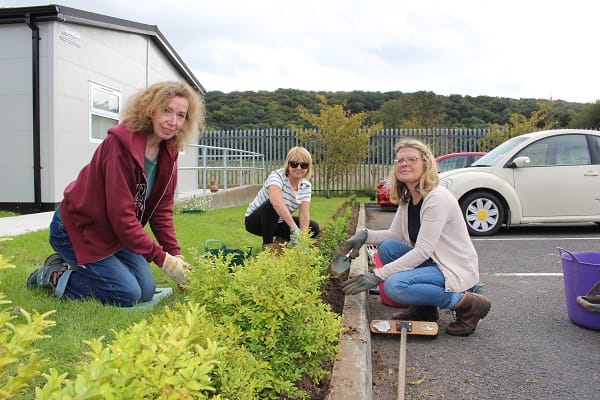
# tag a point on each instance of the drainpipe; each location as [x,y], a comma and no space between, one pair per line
[35,68]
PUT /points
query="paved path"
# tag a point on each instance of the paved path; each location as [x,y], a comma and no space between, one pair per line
[13,226]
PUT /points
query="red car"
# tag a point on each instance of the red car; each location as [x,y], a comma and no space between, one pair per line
[445,163]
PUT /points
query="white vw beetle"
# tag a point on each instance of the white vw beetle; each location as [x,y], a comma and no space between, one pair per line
[539,177]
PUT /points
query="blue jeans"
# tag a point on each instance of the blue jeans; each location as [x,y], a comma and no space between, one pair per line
[421,286]
[122,279]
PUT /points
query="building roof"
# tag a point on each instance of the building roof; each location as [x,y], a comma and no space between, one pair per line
[55,12]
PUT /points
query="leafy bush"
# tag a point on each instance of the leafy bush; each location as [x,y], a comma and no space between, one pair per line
[170,357]
[335,232]
[19,363]
[273,304]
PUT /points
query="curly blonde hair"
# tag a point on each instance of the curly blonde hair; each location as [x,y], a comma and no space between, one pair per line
[399,192]
[137,115]
[299,154]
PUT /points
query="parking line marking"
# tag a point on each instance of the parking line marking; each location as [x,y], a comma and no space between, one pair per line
[528,274]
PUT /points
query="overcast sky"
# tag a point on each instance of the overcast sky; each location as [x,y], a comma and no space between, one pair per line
[508,48]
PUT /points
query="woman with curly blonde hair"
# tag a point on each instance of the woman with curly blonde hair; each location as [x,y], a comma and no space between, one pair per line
[429,259]
[98,230]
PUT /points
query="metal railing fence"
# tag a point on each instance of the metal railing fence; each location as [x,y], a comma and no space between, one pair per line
[227,166]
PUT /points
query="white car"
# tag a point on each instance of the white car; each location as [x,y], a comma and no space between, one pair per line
[540,177]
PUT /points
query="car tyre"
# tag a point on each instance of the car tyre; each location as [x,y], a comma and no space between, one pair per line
[483,212]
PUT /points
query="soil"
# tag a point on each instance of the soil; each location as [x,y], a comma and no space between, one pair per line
[333,296]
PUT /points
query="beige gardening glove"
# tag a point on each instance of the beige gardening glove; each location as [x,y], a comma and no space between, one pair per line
[176,267]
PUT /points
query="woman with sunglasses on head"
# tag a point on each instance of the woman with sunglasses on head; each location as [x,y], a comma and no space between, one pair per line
[429,259]
[286,190]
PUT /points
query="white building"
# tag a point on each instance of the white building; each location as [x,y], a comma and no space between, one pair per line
[65,74]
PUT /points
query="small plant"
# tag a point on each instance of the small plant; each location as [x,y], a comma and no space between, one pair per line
[194,204]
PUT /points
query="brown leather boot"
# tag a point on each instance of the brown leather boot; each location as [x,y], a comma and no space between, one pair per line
[418,313]
[469,310]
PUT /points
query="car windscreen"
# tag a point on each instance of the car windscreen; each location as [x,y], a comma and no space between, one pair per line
[493,157]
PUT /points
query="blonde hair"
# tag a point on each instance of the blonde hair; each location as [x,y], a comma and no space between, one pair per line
[299,154]
[399,192]
[140,108]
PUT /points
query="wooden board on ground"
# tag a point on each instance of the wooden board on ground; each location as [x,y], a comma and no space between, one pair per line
[392,327]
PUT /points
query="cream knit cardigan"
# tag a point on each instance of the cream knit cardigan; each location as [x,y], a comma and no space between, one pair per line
[443,236]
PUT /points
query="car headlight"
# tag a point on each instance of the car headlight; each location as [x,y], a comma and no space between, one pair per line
[446,182]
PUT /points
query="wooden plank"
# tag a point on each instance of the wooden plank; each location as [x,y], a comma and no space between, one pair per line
[389,327]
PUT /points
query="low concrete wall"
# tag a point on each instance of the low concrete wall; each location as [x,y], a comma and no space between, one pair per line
[225,197]
[234,197]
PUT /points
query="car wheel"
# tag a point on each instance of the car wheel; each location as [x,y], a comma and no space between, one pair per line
[483,212]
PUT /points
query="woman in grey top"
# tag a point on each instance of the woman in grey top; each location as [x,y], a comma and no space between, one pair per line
[429,259]
[286,190]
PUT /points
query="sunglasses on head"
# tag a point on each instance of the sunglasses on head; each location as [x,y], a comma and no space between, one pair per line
[295,164]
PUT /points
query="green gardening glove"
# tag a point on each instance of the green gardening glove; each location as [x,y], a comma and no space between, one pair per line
[361,283]
[294,236]
[355,243]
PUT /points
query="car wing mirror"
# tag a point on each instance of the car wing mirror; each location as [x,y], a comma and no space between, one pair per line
[519,162]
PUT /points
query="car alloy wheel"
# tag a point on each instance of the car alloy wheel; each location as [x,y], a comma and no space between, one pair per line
[483,212]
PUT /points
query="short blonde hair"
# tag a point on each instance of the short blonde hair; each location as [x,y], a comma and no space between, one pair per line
[299,154]
[399,192]
[138,113]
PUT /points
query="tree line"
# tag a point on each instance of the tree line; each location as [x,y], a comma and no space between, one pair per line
[282,109]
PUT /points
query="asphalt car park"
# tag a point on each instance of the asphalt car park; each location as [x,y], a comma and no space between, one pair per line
[526,348]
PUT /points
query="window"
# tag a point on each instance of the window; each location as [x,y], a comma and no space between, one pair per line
[105,105]
[558,150]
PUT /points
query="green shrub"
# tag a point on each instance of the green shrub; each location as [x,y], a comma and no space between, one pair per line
[19,363]
[334,232]
[273,304]
[170,357]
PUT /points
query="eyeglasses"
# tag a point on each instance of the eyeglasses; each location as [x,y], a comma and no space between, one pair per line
[295,164]
[408,160]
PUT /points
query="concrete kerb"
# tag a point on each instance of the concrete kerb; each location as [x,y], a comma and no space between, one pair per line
[352,371]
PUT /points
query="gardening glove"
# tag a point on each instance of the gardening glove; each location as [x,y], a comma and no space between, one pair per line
[355,243]
[176,267]
[294,235]
[360,283]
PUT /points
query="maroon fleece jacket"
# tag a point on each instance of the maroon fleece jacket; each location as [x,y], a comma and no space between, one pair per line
[105,210]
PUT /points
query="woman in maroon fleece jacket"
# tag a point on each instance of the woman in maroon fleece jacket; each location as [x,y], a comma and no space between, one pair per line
[98,229]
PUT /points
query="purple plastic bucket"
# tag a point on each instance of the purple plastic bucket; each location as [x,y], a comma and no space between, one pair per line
[581,271]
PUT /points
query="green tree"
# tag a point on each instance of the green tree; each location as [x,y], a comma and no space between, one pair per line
[416,110]
[424,111]
[588,118]
[338,139]
[518,124]
[391,114]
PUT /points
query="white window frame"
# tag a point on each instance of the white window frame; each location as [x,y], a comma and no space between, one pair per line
[104,102]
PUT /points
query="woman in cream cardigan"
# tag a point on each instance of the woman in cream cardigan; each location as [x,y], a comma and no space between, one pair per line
[429,259]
